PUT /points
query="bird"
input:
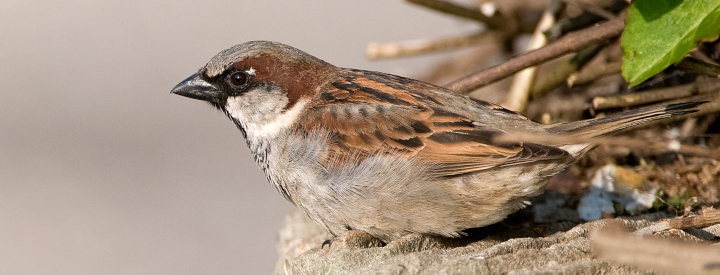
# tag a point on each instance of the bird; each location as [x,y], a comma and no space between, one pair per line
[383,154]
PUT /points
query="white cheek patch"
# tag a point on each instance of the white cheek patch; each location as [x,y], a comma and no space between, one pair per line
[284,120]
[263,121]
[235,108]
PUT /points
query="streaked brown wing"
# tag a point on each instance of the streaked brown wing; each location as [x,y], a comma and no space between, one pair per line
[370,114]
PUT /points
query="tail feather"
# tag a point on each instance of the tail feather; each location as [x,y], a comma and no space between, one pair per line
[616,122]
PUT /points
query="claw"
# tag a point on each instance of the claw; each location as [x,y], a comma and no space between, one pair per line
[354,239]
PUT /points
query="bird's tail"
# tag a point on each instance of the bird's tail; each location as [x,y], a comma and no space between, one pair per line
[624,120]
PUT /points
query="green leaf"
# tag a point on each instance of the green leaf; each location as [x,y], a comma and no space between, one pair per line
[659,33]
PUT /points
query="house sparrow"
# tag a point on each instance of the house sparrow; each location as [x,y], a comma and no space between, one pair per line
[384,154]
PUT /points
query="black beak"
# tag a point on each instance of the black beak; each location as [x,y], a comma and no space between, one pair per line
[197,88]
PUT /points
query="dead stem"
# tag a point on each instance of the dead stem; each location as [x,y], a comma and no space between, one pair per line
[571,42]
[699,67]
[613,243]
[707,217]
[644,97]
[592,73]
[673,145]
[423,46]
[592,8]
[461,11]
[609,140]
[561,73]
[522,82]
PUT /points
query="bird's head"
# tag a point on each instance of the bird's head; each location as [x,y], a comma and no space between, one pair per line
[260,85]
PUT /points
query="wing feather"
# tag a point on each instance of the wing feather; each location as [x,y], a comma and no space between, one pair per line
[369,114]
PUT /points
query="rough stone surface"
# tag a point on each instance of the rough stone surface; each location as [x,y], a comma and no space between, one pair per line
[511,248]
[558,249]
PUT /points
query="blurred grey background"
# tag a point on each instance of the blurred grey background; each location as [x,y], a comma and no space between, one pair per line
[102,171]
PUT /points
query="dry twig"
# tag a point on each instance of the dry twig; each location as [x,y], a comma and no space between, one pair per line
[522,82]
[660,255]
[461,11]
[609,140]
[644,97]
[699,67]
[572,42]
[654,95]
[562,72]
[423,46]
[593,73]
[582,21]
[557,139]
[707,218]
[592,8]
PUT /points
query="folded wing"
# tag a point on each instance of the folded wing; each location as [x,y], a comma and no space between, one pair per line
[369,115]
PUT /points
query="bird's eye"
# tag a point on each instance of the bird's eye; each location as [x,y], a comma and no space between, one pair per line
[238,78]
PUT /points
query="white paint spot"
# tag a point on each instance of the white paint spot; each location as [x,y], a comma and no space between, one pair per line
[251,71]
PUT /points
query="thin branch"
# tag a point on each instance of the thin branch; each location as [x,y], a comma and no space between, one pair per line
[522,82]
[461,11]
[562,72]
[673,145]
[687,128]
[592,73]
[592,8]
[423,46]
[571,42]
[638,98]
[661,255]
[699,67]
[703,126]
[700,86]
[658,147]
[706,218]
[582,21]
